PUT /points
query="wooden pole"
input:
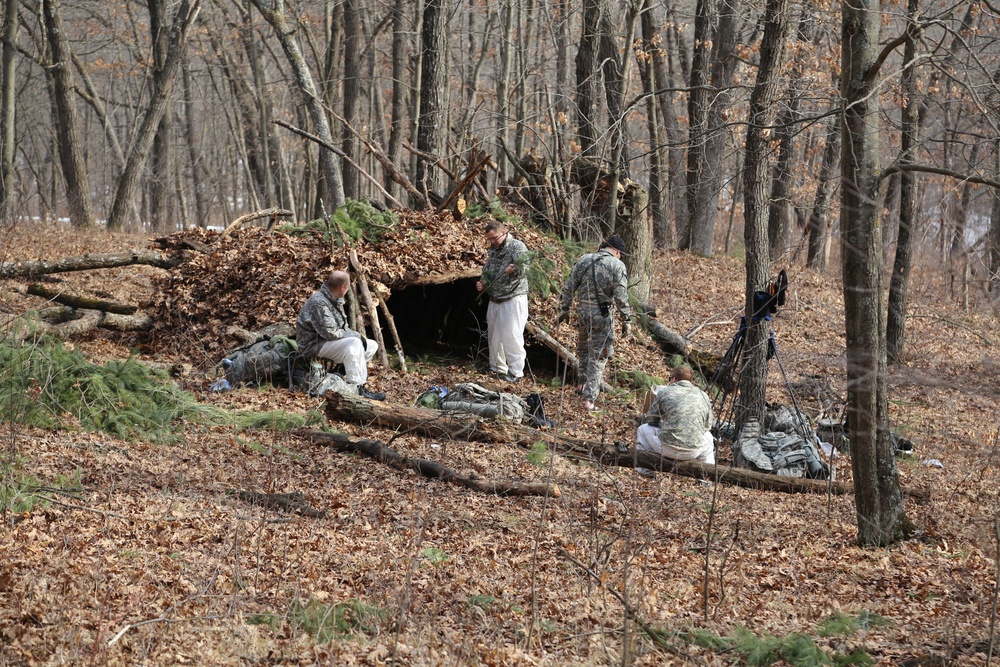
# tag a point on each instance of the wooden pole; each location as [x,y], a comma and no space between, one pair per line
[395,334]
[366,297]
[431,469]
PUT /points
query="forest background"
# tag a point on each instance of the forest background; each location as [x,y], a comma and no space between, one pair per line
[785,133]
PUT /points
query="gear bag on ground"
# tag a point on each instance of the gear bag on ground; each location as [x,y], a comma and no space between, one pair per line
[475,399]
[785,446]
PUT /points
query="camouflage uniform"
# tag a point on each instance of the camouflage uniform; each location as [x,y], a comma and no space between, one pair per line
[508,309]
[321,319]
[596,278]
[498,285]
[685,416]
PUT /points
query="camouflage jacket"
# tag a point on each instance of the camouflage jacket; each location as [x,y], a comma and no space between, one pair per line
[685,414]
[321,319]
[605,284]
[500,286]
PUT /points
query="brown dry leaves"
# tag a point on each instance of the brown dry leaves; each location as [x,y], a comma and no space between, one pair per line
[153,535]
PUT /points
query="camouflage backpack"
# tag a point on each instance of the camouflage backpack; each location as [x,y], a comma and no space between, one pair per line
[471,397]
[272,360]
[787,445]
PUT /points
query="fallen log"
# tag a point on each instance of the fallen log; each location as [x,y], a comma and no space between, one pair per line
[672,343]
[76,301]
[87,262]
[431,469]
[291,502]
[457,426]
[67,323]
[561,350]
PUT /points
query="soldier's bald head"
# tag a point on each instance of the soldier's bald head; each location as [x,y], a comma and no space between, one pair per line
[338,279]
[682,373]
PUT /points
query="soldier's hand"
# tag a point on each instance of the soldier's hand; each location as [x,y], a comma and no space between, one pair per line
[563,316]
[627,331]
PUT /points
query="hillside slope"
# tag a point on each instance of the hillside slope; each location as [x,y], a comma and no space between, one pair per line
[152,560]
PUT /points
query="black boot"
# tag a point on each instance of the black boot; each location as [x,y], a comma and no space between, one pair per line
[370,395]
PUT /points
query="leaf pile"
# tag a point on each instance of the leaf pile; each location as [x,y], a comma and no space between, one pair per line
[252,278]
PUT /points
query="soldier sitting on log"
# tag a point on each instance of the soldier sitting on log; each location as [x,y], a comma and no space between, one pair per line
[321,332]
[678,422]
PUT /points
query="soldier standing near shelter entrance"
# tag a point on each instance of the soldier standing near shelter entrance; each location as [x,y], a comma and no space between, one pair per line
[598,281]
[505,282]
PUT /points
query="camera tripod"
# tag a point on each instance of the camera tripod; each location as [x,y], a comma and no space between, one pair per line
[727,378]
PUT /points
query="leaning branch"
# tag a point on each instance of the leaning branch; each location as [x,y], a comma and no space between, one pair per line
[561,350]
[256,215]
[337,151]
[431,469]
[927,169]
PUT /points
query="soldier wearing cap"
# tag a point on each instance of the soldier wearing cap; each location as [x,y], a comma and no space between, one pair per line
[599,283]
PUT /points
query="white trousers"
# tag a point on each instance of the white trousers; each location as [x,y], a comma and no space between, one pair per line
[505,332]
[351,353]
[649,441]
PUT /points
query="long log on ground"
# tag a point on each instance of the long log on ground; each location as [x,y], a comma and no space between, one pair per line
[561,350]
[76,301]
[431,469]
[457,426]
[71,323]
[86,263]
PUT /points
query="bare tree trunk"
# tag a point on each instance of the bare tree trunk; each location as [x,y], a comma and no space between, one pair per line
[8,73]
[616,72]
[431,126]
[909,198]
[162,157]
[698,105]
[879,503]
[128,184]
[657,163]
[60,73]
[819,239]
[199,177]
[273,12]
[961,213]
[756,183]
[586,78]
[352,94]
[400,53]
[994,233]
[667,77]
[255,108]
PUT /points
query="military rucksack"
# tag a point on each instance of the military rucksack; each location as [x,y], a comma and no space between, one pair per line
[273,360]
[787,445]
[478,400]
